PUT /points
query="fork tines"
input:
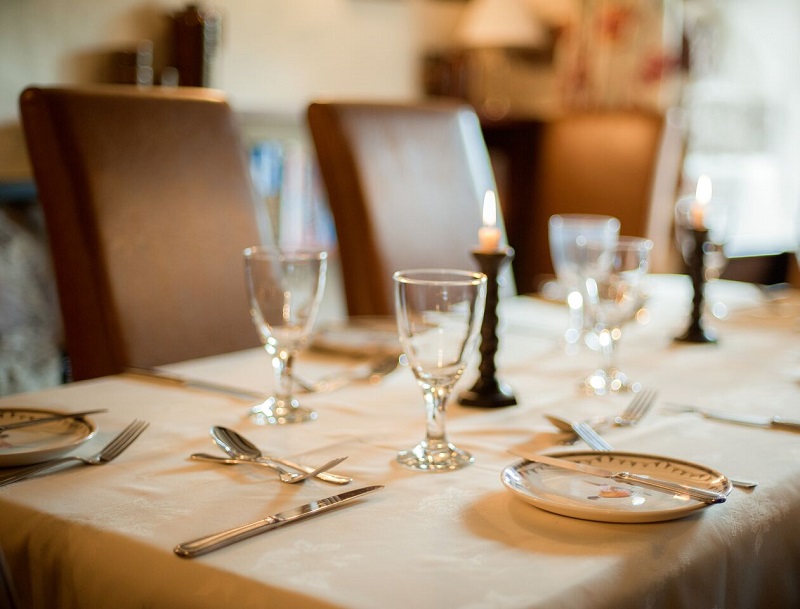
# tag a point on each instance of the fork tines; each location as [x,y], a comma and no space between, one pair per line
[123,440]
[639,406]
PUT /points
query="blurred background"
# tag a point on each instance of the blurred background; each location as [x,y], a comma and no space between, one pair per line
[725,70]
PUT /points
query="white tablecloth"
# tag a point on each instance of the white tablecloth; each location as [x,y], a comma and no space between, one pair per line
[103,536]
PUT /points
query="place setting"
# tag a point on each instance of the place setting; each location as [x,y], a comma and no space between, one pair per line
[285,287]
[35,441]
[615,486]
[238,450]
[32,435]
[607,485]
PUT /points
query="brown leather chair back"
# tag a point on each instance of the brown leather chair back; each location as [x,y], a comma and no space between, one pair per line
[622,164]
[149,206]
[406,184]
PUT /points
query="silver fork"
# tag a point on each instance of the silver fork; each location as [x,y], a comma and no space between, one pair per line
[285,476]
[109,452]
[638,407]
[372,372]
[587,433]
[595,442]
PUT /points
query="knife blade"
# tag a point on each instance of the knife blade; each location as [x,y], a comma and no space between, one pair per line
[743,419]
[174,379]
[49,419]
[209,543]
[642,480]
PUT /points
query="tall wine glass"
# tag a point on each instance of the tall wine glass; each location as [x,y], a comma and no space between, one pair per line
[439,314]
[568,234]
[285,289]
[612,294]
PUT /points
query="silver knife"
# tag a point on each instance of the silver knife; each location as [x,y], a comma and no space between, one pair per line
[203,545]
[174,379]
[665,486]
[49,419]
[777,422]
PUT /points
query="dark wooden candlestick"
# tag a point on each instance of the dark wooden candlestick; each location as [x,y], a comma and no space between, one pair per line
[487,391]
[695,266]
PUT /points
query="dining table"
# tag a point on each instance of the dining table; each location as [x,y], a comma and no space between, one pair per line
[102,537]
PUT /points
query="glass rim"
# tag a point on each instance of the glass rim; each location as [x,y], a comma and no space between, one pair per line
[630,241]
[454,277]
[281,253]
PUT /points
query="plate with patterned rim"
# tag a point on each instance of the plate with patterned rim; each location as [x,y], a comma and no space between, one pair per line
[40,442]
[588,497]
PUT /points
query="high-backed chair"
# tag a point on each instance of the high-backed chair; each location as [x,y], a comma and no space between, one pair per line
[149,206]
[406,184]
[622,163]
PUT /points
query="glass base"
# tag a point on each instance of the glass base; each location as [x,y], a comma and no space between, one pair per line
[434,458]
[602,382]
[280,412]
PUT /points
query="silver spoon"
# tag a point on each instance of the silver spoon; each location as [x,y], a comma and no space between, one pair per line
[239,447]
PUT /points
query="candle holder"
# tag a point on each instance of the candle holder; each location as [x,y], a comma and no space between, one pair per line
[694,256]
[487,391]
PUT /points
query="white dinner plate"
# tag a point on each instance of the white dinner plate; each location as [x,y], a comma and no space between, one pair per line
[40,442]
[358,336]
[591,498]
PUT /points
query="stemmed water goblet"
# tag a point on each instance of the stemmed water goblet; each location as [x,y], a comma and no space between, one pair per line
[285,289]
[612,293]
[439,314]
[568,235]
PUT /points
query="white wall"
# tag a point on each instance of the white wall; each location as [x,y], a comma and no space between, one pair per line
[275,54]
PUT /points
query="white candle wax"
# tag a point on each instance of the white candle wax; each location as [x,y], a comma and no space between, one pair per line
[489,234]
[702,197]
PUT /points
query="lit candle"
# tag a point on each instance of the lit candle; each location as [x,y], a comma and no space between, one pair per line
[489,234]
[701,199]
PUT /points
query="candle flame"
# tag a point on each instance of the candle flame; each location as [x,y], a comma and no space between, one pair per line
[489,209]
[703,194]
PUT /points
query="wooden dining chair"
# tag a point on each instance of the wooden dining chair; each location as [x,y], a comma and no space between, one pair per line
[148,205]
[625,164]
[406,184]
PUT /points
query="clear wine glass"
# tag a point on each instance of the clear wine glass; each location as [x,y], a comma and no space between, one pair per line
[568,235]
[285,289]
[439,315]
[612,293]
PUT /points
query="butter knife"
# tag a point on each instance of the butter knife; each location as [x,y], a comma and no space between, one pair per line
[174,379]
[664,486]
[203,545]
[776,421]
[49,419]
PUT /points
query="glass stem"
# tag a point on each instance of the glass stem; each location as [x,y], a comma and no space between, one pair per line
[282,362]
[608,349]
[435,402]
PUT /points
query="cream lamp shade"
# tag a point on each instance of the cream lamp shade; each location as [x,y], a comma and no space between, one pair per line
[500,24]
